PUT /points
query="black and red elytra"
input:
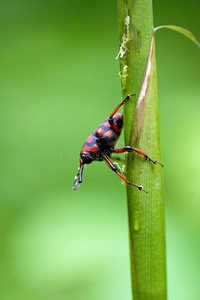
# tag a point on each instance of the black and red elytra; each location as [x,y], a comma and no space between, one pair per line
[100,145]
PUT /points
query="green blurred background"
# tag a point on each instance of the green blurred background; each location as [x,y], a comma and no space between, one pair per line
[59,80]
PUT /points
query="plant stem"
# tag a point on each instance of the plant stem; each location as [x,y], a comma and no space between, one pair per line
[141,125]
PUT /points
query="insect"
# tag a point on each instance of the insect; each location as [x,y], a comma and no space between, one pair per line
[100,145]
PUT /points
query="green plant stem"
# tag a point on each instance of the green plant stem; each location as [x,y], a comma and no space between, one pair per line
[141,125]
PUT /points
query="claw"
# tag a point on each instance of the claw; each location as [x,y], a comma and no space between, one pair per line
[141,189]
[156,162]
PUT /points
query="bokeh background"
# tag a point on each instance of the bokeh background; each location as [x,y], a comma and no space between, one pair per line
[59,80]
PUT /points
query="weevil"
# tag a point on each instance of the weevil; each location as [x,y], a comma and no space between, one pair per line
[101,143]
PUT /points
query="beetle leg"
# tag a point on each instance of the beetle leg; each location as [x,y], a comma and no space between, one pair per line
[118,106]
[78,177]
[140,187]
[110,119]
[130,149]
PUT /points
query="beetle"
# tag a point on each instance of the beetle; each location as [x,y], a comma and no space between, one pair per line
[100,145]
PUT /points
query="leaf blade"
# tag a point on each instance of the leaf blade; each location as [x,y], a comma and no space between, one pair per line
[181,30]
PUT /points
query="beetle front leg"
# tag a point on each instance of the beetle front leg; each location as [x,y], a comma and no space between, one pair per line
[78,177]
[130,149]
[140,187]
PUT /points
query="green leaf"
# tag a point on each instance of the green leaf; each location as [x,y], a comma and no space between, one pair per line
[182,30]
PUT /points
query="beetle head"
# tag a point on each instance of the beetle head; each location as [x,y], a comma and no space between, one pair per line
[86,158]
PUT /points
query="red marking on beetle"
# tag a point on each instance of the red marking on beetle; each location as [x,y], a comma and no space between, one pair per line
[87,148]
[100,132]
[108,134]
[89,139]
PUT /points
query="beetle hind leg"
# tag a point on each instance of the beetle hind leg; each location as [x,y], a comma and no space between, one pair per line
[118,106]
[110,119]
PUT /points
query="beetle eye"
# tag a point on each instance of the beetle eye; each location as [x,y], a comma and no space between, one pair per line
[86,158]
